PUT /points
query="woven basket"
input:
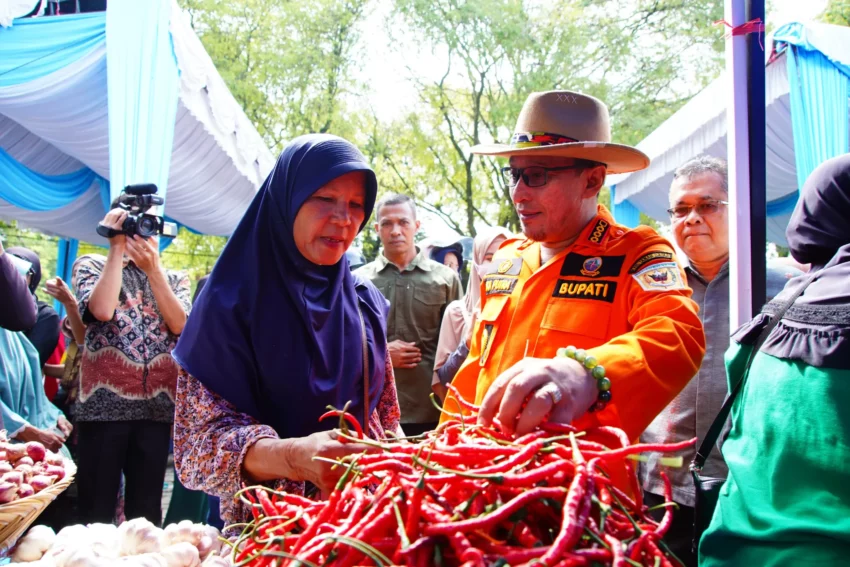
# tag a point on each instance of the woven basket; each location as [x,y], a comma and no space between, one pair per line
[16,517]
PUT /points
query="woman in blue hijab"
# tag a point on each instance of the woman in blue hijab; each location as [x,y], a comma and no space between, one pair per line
[280,332]
[27,414]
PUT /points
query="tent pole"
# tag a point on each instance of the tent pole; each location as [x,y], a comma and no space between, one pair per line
[758,166]
[740,250]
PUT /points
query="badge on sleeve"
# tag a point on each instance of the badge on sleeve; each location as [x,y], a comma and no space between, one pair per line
[660,277]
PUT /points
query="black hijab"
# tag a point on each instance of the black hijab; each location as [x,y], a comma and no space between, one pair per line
[45,334]
[816,329]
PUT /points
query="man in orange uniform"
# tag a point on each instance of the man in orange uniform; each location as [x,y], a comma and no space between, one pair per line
[577,279]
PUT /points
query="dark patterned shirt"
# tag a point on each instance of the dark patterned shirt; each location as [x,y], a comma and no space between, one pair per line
[127,372]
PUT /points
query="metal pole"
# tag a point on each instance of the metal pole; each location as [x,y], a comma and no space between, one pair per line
[740,241]
[758,166]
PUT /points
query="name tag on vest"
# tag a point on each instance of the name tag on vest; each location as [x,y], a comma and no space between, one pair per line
[494,285]
[601,290]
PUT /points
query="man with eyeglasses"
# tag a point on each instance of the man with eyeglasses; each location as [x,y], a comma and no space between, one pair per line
[577,279]
[699,214]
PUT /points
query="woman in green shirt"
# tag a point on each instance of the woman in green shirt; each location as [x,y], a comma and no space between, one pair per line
[787,498]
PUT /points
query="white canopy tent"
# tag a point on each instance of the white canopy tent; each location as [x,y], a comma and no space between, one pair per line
[59,123]
[700,127]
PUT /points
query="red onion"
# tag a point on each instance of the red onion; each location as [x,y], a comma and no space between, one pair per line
[40,482]
[54,459]
[15,451]
[8,492]
[25,490]
[58,472]
[5,467]
[26,460]
[15,477]
[36,451]
[26,470]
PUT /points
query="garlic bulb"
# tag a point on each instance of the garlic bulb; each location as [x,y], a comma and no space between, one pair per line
[182,531]
[35,544]
[144,560]
[81,556]
[209,543]
[43,562]
[103,540]
[215,561]
[139,536]
[182,554]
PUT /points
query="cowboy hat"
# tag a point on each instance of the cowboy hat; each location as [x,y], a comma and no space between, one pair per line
[567,124]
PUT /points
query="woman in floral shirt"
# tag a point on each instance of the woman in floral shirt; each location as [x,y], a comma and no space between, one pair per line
[278,335]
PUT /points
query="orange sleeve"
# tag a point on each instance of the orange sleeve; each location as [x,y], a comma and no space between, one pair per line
[655,360]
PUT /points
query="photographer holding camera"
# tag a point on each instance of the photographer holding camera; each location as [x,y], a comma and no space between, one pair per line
[135,311]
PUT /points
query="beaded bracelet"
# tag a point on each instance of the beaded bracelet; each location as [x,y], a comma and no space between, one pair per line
[597,371]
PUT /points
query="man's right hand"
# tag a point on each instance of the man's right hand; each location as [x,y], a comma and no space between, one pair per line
[404,354]
[114,219]
[50,439]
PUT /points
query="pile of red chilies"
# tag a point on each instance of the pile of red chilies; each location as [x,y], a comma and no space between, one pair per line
[471,496]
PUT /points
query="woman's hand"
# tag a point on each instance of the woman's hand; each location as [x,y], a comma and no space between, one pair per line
[59,290]
[49,439]
[293,459]
[64,426]
[325,445]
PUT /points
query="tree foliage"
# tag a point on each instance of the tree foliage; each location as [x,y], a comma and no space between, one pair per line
[644,58]
[837,12]
[288,63]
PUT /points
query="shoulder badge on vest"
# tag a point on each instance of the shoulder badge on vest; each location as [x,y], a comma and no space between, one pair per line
[660,277]
[505,267]
[650,257]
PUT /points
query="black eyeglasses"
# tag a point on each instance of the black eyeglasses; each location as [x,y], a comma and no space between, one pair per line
[534,176]
[703,209]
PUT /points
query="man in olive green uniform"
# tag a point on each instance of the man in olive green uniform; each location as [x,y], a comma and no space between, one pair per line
[418,289]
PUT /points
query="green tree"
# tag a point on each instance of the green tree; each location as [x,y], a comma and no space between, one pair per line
[289,64]
[644,58]
[837,12]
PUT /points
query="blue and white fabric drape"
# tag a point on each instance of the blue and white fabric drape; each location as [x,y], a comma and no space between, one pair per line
[819,92]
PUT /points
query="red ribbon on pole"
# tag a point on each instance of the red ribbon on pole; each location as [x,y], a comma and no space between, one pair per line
[753,26]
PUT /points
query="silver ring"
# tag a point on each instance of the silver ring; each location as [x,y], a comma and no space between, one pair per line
[554,393]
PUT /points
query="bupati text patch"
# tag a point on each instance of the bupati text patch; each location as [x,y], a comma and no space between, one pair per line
[601,290]
[660,277]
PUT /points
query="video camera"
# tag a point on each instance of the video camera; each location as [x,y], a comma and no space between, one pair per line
[136,200]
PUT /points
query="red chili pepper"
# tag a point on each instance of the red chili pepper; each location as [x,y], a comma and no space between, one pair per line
[414,510]
[266,502]
[654,552]
[624,452]
[667,519]
[498,515]
[570,528]
[532,477]
[464,403]
[352,421]
[618,555]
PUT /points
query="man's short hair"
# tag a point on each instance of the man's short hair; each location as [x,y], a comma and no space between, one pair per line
[704,164]
[394,199]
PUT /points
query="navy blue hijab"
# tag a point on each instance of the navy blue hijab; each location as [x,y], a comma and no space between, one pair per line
[274,334]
